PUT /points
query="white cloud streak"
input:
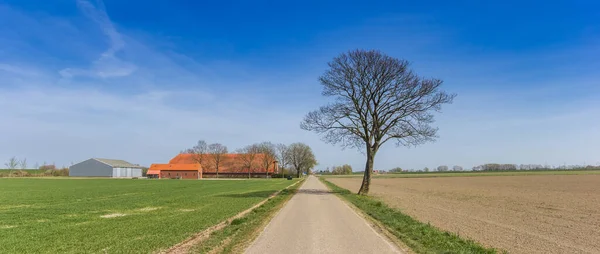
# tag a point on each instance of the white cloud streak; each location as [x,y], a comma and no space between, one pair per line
[108,65]
[17,70]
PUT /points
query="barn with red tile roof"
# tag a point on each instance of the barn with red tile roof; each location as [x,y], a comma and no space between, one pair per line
[187,166]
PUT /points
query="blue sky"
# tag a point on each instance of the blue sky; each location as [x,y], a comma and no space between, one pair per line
[140,81]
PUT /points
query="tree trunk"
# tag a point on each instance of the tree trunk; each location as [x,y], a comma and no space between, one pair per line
[217,170]
[298,172]
[366,183]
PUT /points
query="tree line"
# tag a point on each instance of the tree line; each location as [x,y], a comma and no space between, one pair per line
[337,170]
[295,158]
[513,167]
[497,167]
[15,167]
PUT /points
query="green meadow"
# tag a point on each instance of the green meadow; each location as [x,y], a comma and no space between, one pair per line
[117,215]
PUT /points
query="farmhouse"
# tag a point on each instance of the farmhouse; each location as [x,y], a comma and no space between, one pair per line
[105,168]
[187,166]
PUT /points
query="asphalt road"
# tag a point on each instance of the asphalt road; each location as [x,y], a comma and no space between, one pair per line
[316,221]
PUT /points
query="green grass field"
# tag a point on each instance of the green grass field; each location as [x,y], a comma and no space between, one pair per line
[116,216]
[479,173]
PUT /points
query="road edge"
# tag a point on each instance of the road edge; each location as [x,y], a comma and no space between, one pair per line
[420,237]
[380,229]
[270,218]
[186,245]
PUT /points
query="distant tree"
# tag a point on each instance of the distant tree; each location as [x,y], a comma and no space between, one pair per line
[457,168]
[342,170]
[347,169]
[496,167]
[301,158]
[217,152]
[377,98]
[426,169]
[247,157]
[37,166]
[23,164]
[442,168]
[283,157]
[267,149]
[395,170]
[12,163]
[199,153]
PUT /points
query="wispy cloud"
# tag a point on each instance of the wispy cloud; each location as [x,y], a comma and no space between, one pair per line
[108,65]
[13,69]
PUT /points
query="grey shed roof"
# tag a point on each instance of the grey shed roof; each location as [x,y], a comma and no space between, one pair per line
[118,163]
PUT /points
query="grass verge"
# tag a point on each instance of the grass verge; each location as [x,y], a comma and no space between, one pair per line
[419,236]
[240,233]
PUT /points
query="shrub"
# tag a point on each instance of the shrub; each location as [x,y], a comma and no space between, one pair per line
[47,167]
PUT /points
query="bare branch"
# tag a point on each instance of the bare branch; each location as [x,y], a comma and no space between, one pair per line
[217,152]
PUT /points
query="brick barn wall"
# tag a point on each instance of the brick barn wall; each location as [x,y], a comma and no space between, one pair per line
[183,174]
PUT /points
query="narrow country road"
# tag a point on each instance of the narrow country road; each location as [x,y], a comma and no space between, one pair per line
[316,221]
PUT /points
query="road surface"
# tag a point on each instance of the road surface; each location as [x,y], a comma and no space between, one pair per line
[316,221]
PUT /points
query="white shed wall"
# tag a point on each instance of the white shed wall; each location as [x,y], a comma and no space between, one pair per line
[126,172]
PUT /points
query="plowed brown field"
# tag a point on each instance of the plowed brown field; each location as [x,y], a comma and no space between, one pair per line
[520,214]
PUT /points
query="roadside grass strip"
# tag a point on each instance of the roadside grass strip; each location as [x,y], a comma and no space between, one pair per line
[420,237]
[242,231]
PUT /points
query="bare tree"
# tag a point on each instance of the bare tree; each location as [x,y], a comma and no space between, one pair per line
[247,157]
[267,149]
[442,168]
[301,157]
[12,163]
[23,164]
[37,165]
[199,153]
[457,168]
[217,152]
[377,99]
[283,157]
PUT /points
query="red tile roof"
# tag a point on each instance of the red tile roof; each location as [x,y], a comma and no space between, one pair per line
[230,163]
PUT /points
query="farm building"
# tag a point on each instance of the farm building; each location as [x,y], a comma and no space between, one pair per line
[186,166]
[184,171]
[105,168]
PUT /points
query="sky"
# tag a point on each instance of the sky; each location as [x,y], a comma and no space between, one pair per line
[143,80]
